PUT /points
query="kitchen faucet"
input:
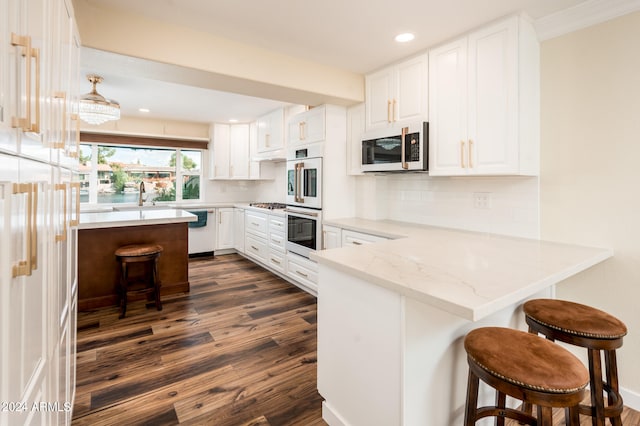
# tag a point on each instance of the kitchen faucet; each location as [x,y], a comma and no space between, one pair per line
[140,193]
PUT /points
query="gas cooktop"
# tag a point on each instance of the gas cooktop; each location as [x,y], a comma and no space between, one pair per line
[270,206]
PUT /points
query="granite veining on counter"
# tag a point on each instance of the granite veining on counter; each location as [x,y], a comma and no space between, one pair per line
[469,274]
[111,219]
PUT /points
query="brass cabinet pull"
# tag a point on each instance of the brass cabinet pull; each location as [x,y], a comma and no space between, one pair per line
[302,274]
[356,243]
[471,153]
[462,155]
[76,153]
[35,54]
[62,187]
[403,153]
[24,267]
[63,136]
[76,221]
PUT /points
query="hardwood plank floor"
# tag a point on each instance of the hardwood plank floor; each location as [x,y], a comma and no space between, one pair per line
[239,349]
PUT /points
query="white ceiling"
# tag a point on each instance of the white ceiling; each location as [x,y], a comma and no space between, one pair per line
[355,35]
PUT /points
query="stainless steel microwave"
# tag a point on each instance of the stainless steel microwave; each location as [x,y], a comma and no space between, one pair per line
[396,149]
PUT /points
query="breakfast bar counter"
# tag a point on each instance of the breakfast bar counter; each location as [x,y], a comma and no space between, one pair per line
[101,233]
[392,315]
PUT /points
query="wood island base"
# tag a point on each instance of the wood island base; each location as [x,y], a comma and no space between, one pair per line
[98,269]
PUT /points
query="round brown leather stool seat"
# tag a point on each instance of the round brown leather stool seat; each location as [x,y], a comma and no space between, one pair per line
[525,367]
[593,329]
[148,282]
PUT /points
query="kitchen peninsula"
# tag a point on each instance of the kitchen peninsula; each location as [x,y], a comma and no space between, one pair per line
[392,314]
[101,233]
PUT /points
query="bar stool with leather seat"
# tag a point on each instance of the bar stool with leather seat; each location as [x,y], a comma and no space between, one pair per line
[148,282]
[590,328]
[526,367]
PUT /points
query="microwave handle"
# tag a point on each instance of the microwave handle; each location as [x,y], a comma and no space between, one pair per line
[405,130]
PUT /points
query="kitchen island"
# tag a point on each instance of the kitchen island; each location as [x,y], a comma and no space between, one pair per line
[392,315]
[101,233]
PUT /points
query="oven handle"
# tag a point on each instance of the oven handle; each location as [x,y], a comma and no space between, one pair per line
[405,130]
[300,214]
[299,176]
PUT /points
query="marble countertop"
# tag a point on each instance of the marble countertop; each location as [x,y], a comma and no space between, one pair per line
[468,274]
[113,219]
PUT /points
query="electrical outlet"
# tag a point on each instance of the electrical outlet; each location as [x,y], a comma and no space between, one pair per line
[482,200]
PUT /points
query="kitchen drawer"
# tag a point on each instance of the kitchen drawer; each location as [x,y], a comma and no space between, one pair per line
[353,238]
[256,223]
[277,262]
[277,241]
[303,270]
[256,248]
[276,223]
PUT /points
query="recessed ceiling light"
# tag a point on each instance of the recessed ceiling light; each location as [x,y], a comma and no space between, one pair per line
[233,120]
[404,37]
[143,109]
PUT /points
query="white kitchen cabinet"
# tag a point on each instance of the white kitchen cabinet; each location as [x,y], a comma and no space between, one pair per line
[219,151]
[353,238]
[271,133]
[355,129]
[307,127]
[483,104]
[303,271]
[277,243]
[255,167]
[331,237]
[397,94]
[224,228]
[238,229]
[256,227]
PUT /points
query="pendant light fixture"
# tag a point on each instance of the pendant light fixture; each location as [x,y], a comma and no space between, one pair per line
[95,108]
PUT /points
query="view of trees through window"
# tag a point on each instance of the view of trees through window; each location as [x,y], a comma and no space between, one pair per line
[120,173]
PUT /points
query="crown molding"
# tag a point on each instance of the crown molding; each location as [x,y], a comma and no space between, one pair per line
[586,14]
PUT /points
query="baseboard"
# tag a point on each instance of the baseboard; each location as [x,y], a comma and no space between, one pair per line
[331,417]
[631,399]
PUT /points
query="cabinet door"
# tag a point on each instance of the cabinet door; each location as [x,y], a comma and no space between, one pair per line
[9,58]
[493,98]
[411,87]
[331,237]
[254,166]
[448,109]
[271,131]
[219,155]
[225,229]
[238,230]
[355,128]
[239,151]
[379,98]
[307,127]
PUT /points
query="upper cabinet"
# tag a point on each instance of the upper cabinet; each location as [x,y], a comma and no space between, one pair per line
[229,151]
[307,127]
[271,133]
[397,94]
[484,102]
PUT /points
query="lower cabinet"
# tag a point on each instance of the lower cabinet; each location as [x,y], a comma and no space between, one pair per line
[224,228]
[238,230]
[303,271]
[353,238]
[331,237]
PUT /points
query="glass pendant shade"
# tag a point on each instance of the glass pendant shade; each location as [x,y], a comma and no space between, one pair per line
[95,108]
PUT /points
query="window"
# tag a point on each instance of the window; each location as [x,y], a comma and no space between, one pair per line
[111,174]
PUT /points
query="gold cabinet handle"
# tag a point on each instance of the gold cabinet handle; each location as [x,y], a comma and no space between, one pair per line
[76,221]
[462,154]
[471,153]
[302,274]
[63,136]
[35,54]
[24,267]
[275,261]
[76,153]
[393,111]
[25,43]
[62,187]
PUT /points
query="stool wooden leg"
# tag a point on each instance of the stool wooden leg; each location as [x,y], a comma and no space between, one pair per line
[156,285]
[545,416]
[611,364]
[472,399]
[572,416]
[501,402]
[597,399]
[123,290]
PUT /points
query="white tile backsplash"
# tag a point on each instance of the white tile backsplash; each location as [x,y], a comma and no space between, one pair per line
[449,202]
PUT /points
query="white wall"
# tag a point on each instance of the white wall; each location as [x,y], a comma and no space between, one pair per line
[590,169]
[449,202]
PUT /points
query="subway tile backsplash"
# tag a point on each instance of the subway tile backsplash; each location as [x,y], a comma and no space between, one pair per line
[506,205]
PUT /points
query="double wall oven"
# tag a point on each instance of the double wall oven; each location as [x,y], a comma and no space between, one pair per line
[304,200]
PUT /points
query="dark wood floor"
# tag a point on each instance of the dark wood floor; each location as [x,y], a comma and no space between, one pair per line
[239,349]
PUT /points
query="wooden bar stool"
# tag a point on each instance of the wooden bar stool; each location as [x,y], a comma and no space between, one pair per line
[589,328]
[525,367]
[145,284]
